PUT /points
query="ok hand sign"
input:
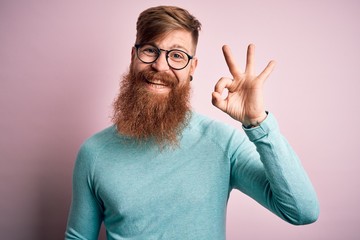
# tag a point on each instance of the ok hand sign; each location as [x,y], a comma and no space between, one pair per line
[244,101]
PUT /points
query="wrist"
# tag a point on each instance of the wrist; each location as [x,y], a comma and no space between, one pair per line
[251,123]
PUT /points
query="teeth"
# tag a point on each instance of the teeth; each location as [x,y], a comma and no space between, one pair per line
[158,86]
[156,83]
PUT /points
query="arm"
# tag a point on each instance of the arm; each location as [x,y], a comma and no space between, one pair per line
[85,215]
[267,169]
[273,175]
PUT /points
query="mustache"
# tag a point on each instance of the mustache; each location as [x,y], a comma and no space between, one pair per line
[151,76]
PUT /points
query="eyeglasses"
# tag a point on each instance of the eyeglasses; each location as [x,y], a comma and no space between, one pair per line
[176,59]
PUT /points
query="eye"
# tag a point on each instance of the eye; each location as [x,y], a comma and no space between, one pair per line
[149,50]
[177,55]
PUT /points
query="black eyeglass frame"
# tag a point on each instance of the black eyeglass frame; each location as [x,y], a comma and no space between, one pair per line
[137,46]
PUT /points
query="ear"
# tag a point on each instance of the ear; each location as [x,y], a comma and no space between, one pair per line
[193,65]
[133,53]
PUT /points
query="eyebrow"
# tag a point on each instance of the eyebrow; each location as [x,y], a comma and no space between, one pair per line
[177,46]
[174,46]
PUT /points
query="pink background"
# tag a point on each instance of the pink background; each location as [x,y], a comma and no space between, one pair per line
[60,65]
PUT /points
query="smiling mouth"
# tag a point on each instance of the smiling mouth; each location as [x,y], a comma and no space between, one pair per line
[157,83]
[158,86]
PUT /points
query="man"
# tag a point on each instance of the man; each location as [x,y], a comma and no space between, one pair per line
[165,172]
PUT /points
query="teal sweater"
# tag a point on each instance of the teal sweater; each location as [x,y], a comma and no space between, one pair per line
[140,192]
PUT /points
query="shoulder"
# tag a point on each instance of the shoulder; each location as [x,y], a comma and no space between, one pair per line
[92,146]
[207,125]
[100,138]
[221,133]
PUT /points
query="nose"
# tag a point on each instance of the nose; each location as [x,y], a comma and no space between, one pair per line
[161,64]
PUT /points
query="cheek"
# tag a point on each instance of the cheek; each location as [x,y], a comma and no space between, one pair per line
[138,66]
[183,77]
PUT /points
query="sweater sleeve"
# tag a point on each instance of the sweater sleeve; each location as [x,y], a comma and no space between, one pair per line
[267,169]
[85,215]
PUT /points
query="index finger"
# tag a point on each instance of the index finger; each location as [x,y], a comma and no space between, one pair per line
[230,61]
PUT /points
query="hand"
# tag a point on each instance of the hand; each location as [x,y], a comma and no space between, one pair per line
[244,101]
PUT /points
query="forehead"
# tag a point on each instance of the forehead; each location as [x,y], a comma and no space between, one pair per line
[179,39]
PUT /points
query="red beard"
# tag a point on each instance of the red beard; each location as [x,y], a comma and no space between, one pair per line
[145,115]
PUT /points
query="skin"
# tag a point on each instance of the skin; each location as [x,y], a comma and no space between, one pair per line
[177,39]
[244,101]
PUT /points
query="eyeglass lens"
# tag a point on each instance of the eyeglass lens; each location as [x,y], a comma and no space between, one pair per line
[176,59]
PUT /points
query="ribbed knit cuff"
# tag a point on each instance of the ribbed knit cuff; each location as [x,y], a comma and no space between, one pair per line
[269,124]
